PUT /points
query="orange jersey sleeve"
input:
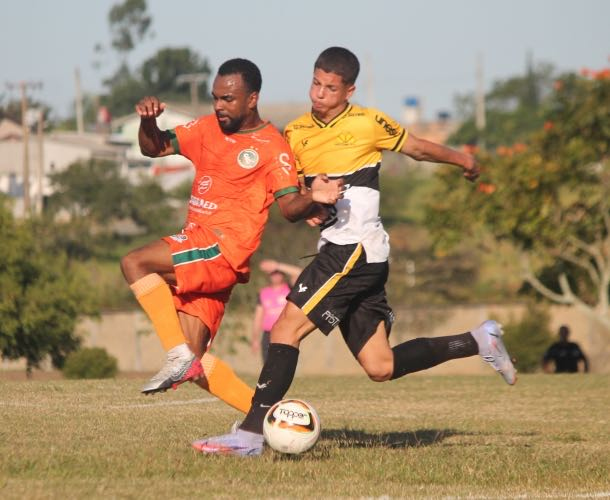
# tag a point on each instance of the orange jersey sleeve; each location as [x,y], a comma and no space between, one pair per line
[187,139]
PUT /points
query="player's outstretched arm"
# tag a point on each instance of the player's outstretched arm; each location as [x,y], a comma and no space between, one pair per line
[304,204]
[423,150]
[153,141]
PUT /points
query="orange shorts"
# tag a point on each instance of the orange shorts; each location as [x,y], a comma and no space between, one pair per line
[204,278]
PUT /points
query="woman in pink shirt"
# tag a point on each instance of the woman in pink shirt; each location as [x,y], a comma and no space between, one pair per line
[271,301]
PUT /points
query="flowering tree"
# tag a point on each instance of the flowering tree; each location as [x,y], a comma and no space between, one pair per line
[549,196]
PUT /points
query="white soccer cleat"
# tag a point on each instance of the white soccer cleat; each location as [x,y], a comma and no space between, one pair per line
[491,348]
[180,367]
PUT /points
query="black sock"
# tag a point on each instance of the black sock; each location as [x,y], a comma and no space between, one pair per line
[422,353]
[273,383]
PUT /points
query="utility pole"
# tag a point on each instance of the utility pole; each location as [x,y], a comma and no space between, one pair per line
[479,120]
[78,103]
[40,173]
[23,86]
[194,80]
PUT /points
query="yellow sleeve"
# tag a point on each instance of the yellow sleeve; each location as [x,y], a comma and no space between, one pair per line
[389,134]
[289,137]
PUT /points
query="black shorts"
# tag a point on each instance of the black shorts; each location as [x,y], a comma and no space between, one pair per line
[339,288]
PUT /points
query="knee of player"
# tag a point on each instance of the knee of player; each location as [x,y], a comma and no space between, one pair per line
[128,261]
[283,333]
[379,372]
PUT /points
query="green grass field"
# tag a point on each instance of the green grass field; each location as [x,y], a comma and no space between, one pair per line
[422,436]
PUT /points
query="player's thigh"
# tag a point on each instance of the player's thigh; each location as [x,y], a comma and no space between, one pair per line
[291,327]
[198,262]
[154,257]
[376,356]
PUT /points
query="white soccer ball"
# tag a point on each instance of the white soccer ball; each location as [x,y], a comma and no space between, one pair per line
[291,426]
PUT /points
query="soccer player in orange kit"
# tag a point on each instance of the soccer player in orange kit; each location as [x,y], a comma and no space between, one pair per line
[242,166]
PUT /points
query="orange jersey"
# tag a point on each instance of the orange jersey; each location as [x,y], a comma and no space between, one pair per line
[237,178]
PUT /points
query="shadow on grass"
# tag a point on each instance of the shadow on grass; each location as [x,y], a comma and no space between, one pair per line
[350,438]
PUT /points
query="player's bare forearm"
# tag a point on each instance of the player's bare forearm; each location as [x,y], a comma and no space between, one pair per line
[305,204]
[423,150]
[153,141]
[297,206]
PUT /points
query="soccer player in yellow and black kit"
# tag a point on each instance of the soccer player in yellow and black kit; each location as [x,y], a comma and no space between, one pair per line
[344,285]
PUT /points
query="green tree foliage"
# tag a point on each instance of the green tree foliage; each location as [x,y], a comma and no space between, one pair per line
[90,362]
[549,198]
[41,297]
[528,339]
[160,72]
[418,275]
[515,108]
[129,21]
[125,89]
[156,76]
[99,200]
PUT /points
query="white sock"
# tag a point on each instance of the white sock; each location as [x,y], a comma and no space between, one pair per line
[480,336]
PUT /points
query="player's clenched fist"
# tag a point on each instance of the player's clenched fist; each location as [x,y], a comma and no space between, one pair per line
[325,190]
[150,107]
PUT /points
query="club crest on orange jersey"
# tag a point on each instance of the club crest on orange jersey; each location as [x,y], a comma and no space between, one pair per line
[247,158]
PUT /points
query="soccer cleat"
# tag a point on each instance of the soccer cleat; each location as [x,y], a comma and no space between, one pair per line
[176,371]
[491,348]
[238,443]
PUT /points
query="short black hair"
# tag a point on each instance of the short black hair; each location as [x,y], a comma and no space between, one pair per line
[247,69]
[340,61]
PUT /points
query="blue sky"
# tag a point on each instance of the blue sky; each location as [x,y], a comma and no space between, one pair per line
[426,49]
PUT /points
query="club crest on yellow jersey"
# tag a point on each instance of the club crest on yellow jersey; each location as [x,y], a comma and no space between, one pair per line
[345,139]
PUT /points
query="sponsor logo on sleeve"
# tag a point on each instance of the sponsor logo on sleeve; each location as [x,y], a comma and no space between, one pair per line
[387,127]
[180,238]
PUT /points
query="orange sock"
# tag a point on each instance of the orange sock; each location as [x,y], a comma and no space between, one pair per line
[225,384]
[155,297]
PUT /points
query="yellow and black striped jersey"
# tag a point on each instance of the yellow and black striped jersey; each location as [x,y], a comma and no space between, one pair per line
[350,146]
[351,141]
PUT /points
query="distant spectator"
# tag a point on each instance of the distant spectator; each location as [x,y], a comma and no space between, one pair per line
[565,355]
[271,301]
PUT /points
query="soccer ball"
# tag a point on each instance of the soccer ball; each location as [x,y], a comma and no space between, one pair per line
[291,426]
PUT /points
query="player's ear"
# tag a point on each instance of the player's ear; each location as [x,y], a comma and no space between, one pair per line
[253,100]
[350,91]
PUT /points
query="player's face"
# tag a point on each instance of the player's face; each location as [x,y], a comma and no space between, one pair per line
[329,94]
[233,102]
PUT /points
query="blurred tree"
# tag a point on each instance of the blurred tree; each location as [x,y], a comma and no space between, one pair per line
[41,297]
[514,107]
[99,201]
[129,22]
[159,73]
[549,198]
[156,76]
[93,189]
[528,338]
